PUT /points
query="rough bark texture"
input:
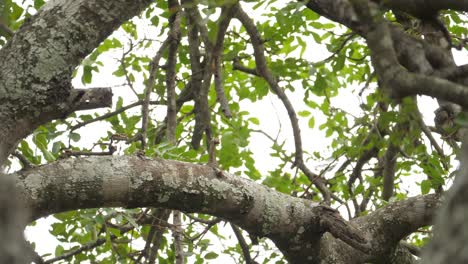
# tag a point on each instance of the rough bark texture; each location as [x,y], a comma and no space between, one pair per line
[450,242]
[296,225]
[13,220]
[35,87]
[37,63]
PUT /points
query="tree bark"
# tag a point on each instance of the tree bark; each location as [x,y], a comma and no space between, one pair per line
[301,228]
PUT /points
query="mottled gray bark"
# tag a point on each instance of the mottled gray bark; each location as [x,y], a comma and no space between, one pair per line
[296,225]
[37,63]
[35,87]
[13,220]
[450,242]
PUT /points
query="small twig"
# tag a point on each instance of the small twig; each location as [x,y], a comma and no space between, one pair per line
[157,229]
[68,153]
[208,227]
[411,248]
[110,114]
[124,68]
[8,32]
[212,152]
[203,221]
[89,246]
[347,38]
[236,65]
[154,65]
[24,161]
[433,141]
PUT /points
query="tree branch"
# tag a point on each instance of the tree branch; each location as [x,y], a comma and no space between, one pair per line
[263,71]
[174,35]
[46,59]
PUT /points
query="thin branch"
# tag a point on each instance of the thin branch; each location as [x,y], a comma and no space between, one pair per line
[203,221]
[201,75]
[8,32]
[154,65]
[124,68]
[208,227]
[388,172]
[226,15]
[236,65]
[243,244]
[24,161]
[263,70]
[158,227]
[411,248]
[425,129]
[110,114]
[88,246]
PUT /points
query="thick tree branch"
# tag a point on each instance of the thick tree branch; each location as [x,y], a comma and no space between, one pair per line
[133,182]
[130,181]
[450,240]
[397,220]
[45,51]
[85,99]
[426,8]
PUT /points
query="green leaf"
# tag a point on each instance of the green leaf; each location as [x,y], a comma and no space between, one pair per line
[311,122]
[425,186]
[59,250]
[254,120]
[462,119]
[75,136]
[304,113]
[211,255]
[38,4]
[87,74]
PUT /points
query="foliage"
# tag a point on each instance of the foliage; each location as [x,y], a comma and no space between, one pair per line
[350,158]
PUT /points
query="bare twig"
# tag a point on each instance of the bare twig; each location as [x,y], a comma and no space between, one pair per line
[24,161]
[124,68]
[154,66]
[110,114]
[208,227]
[89,246]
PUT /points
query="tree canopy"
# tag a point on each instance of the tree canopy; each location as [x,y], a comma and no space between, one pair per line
[258,131]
